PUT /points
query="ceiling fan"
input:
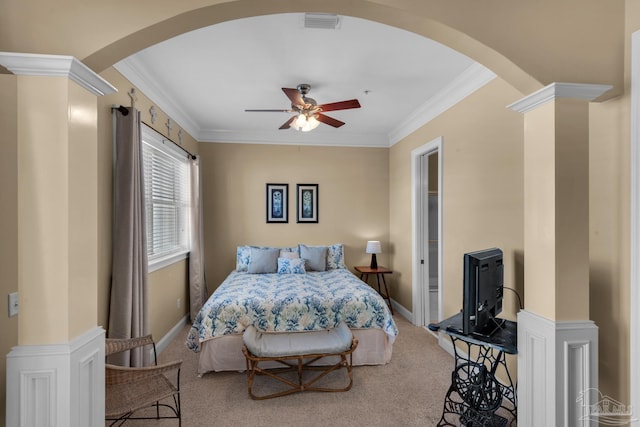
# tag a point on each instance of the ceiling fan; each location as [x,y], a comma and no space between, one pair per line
[308,113]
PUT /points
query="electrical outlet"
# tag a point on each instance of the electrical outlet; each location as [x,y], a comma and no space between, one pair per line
[179,303]
[13,304]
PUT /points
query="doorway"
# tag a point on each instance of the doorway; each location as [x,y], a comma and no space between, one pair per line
[427,232]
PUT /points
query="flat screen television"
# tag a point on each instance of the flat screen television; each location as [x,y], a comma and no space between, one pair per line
[483,290]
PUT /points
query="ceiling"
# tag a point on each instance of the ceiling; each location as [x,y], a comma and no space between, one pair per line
[206,78]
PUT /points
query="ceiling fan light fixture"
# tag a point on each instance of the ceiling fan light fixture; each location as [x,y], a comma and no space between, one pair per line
[305,123]
[308,114]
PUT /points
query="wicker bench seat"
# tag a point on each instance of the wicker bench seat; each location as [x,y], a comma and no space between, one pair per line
[298,352]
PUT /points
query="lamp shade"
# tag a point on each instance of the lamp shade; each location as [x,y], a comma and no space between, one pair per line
[373,247]
[305,122]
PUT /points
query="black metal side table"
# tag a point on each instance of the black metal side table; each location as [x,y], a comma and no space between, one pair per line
[482,389]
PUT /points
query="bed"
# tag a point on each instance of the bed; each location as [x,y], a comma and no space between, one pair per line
[290,290]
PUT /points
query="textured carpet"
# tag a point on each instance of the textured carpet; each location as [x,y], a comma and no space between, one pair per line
[409,391]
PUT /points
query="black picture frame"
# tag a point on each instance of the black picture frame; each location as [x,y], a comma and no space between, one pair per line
[307,203]
[277,203]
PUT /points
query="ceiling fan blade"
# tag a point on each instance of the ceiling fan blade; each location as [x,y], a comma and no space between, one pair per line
[270,111]
[342,105]
[294,96]
[329,120]
[287,125]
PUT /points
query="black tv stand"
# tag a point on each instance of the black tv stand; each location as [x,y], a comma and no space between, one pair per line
[482,392]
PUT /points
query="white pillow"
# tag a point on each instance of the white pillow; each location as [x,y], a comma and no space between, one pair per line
[289,254]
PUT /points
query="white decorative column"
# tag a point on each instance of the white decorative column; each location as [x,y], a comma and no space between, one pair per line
[557,371]
[557,343]
[57,384]
[55,375]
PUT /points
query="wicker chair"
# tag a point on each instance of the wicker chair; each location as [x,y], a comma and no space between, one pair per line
[131,389]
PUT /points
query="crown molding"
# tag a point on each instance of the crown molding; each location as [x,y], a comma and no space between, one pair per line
[133,71]
[29,64]
[469,81]
[472,79]
[584,91]
[293,137]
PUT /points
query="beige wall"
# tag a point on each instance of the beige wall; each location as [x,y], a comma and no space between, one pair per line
[165,285]
[9,222]
[57,184]
[556,210]
[609,221]
[353,199]
[482,155]
[589,30]
[482,194]
[609,293]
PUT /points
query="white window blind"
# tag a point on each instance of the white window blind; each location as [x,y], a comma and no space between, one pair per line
[167,198]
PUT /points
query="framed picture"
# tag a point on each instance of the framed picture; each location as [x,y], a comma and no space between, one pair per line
[307,203]
[277,203]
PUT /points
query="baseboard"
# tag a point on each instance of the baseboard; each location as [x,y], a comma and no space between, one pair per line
[443,340]
[171,335]
[401,310]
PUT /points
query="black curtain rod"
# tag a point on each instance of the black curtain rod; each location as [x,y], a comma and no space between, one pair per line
[125,111]
[193,157]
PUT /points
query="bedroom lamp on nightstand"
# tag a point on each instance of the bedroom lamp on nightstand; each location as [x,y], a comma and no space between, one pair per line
[373,248]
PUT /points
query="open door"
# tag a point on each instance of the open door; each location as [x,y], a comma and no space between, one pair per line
[427,232]
[430,240]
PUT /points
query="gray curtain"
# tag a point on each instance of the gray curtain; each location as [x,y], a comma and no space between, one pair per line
[128,314]
[197,283]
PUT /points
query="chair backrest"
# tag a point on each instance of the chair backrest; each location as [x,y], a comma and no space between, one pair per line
[118,345]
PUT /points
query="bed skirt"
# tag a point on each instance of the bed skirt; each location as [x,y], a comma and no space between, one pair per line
[225,353]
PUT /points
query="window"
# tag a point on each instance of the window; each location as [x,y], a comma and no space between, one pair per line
[167,199]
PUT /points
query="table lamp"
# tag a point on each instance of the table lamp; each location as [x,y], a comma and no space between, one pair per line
[373,248]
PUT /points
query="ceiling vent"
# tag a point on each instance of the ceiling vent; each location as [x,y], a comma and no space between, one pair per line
[325,21]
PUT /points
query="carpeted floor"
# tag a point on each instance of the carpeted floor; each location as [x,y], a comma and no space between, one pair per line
[409,391]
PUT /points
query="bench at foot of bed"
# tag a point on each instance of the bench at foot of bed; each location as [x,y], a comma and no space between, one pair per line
[298,352]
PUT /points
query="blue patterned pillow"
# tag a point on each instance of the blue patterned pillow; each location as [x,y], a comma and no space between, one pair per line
[291,266]
[243,256]
[335,257]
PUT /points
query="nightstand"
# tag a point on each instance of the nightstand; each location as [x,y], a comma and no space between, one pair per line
[365,271]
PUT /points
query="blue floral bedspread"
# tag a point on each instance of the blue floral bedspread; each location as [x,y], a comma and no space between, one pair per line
[290,302]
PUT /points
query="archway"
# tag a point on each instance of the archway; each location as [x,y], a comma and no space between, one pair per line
[425,25]
[457,26]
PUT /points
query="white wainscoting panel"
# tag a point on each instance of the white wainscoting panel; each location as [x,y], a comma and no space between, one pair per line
[577,377]
[57,385]
[557,371]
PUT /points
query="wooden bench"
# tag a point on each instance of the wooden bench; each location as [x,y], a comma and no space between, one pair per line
[298,352]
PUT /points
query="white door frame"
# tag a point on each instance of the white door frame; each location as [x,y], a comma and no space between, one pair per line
[634,318]
[416,235]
